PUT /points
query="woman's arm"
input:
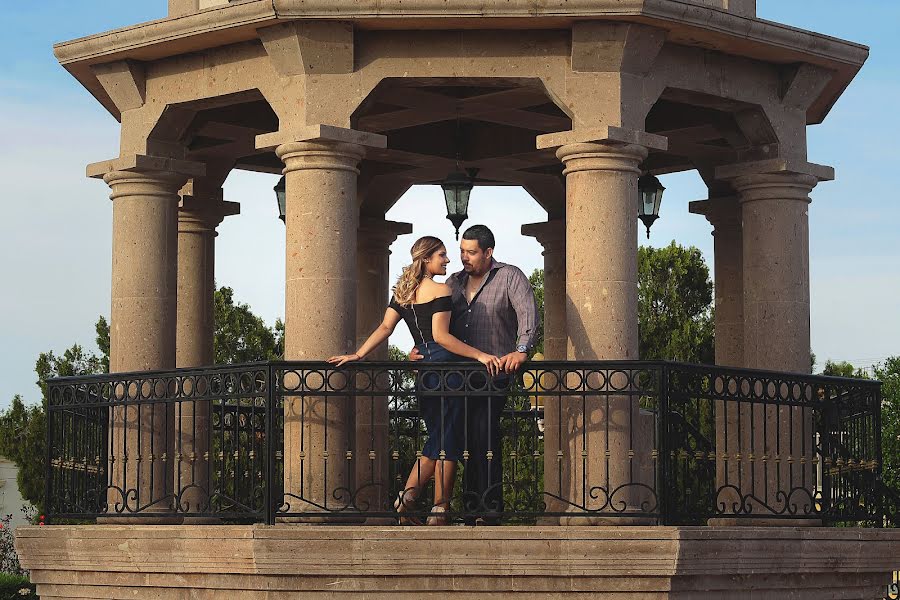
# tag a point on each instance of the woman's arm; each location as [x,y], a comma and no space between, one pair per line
[381,333]
[440,328]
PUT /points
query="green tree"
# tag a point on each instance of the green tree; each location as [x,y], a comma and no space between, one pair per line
[537,282]
[675,308]
[843,369]
[23,437]
[23,441]
[889,374]
[675,305]
[240,336]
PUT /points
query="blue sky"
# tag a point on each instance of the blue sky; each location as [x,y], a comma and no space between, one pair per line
[55,224]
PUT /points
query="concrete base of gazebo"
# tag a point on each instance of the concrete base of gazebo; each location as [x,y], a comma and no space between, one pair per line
[304,561]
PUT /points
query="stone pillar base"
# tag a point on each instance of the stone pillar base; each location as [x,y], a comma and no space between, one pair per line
[285,561]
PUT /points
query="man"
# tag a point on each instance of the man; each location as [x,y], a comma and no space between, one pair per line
[494,310]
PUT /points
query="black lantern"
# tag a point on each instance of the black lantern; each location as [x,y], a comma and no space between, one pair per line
[650,192]
[281,196]
[457,189]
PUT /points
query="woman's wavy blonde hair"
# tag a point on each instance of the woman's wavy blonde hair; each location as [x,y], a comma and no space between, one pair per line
[414,273]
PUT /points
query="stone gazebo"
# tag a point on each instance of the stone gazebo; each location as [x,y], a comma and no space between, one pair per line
[354,101]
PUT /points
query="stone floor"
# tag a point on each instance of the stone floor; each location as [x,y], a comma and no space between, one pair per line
[142,562]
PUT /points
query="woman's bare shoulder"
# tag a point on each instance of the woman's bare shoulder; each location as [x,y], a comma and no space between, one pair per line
[435,289]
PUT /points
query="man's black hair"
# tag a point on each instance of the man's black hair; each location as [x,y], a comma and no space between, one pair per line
[480,233]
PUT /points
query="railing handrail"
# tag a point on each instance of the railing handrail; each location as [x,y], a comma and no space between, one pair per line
[527,366]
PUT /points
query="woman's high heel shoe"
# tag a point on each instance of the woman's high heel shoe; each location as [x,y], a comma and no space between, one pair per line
[404,499]
[438,516]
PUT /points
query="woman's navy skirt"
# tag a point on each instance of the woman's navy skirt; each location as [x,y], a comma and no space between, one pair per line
[443,415]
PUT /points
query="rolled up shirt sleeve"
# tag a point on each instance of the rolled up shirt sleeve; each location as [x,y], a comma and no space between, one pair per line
[521,297]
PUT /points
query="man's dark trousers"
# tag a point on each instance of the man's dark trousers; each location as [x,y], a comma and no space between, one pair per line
[483,477]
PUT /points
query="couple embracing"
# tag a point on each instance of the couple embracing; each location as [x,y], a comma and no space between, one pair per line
[486,312]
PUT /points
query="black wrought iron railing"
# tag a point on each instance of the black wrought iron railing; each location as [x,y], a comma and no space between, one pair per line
[648,442]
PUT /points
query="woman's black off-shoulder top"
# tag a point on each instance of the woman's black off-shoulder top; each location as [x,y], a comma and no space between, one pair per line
[418,316]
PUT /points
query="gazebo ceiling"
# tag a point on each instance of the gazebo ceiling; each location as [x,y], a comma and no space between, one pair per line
[435,126]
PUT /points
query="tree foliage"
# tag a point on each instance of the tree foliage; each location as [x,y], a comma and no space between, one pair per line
[843,369]
[22,440]
[675,310]
[240,336]
[537,282]
[23,428]
[675,296]
[888,373]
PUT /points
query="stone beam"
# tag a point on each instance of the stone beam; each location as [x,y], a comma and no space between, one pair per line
[775,165]
[605,47]
[140,162]
[803,84]
[309,48]
[314,133]
[124,81]
[608,134]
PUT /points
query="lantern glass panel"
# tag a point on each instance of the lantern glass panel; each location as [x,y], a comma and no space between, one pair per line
[281,197]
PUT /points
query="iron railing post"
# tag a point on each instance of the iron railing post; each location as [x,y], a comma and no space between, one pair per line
[270,444]
[879,489]
[662,435]
[48,471]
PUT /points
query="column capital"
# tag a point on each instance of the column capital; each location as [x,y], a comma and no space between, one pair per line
[159,185]
[328,155]
[376,235]
[601,157]
[774,186]
[149,166]
[774,179]
[721,212]
[203,215]
[549,234]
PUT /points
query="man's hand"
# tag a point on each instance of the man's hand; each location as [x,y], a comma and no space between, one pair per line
[512,361]
[415,355]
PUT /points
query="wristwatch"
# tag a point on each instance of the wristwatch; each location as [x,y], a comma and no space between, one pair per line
[522,348]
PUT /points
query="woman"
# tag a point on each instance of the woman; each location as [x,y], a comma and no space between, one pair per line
[425,305]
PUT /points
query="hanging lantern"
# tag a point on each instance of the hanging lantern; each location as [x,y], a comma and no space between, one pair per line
[650,192]
[457,189]
[281,196]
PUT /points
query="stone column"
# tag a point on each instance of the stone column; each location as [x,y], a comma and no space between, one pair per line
[775,213]
[142,327]
[603,452]
[601,314]
[724,214]
[732,421]
[197,222]
[322,217]
[552,236]
[372,472]
[779,446]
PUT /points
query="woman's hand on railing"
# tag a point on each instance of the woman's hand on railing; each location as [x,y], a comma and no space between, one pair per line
[343,359]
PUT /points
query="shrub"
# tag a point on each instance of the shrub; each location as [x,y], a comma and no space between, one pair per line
[16,587]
